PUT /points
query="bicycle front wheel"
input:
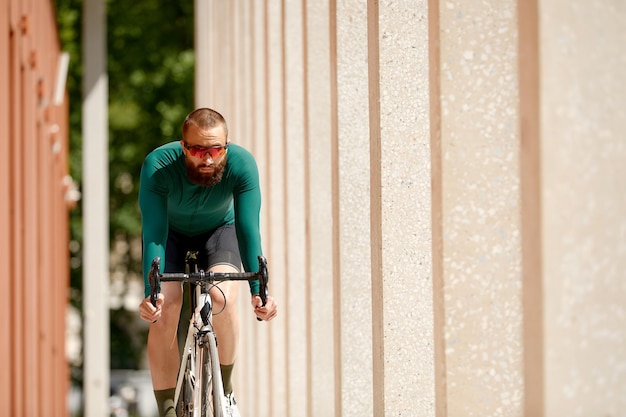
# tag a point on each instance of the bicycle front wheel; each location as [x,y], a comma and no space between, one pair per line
[210,386]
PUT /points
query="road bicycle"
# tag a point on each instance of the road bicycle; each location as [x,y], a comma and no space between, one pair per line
[199,389]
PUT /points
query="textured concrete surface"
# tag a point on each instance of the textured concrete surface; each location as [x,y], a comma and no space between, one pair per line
[480,176]
[583,123]
[354,213]
[334,101]
[404,211]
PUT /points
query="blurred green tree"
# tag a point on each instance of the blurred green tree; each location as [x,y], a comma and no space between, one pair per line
[151,73]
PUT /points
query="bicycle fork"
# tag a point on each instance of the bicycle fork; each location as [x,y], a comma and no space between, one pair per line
[186,376]
[187,392]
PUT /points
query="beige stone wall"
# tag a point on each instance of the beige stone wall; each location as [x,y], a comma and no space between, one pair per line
[444,203]
[480,207]
[583,124]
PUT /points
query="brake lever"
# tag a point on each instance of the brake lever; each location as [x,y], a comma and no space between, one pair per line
[263,278]
[153,279]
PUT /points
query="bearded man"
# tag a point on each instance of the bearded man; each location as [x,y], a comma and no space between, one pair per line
[199,194]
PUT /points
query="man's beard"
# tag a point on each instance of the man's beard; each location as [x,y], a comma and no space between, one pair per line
[205,179]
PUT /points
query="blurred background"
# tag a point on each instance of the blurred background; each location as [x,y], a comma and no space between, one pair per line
[150,69]
[149,96]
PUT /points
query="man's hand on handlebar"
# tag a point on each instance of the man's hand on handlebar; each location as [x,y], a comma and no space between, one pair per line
[150,313]
[265,312]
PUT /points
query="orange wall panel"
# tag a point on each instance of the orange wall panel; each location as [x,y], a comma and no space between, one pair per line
[34,222]
[5,310]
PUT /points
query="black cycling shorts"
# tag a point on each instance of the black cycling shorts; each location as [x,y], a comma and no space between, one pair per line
[217,247]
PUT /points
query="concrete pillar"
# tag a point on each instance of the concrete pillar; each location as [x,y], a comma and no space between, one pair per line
[95,211]
[203,49]
[294,307]
[480,208]
[319,205]
[353,151]
[400,208]
[275,200]
[582,124]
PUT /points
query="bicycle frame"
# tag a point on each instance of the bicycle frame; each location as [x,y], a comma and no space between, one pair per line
[200,360]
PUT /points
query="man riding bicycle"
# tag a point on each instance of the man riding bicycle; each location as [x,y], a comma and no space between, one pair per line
[199,194]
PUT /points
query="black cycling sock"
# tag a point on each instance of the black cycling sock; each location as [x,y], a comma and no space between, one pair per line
[227,371]
[165,402]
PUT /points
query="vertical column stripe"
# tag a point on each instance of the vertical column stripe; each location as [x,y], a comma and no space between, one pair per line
[532,293]
[376,209]
[437,209]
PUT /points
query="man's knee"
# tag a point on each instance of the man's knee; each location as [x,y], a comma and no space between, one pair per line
[225,296]
[172,304]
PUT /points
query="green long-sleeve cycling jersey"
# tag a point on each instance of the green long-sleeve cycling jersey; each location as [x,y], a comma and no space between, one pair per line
[168,200]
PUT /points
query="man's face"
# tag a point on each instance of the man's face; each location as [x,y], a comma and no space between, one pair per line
[205,154]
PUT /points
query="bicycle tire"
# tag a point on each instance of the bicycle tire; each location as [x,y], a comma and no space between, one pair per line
[210,386]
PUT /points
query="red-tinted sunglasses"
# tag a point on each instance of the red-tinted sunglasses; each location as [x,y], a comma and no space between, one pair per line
[201,151]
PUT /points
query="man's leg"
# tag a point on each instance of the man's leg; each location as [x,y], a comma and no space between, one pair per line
[226,323]
[163,353]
